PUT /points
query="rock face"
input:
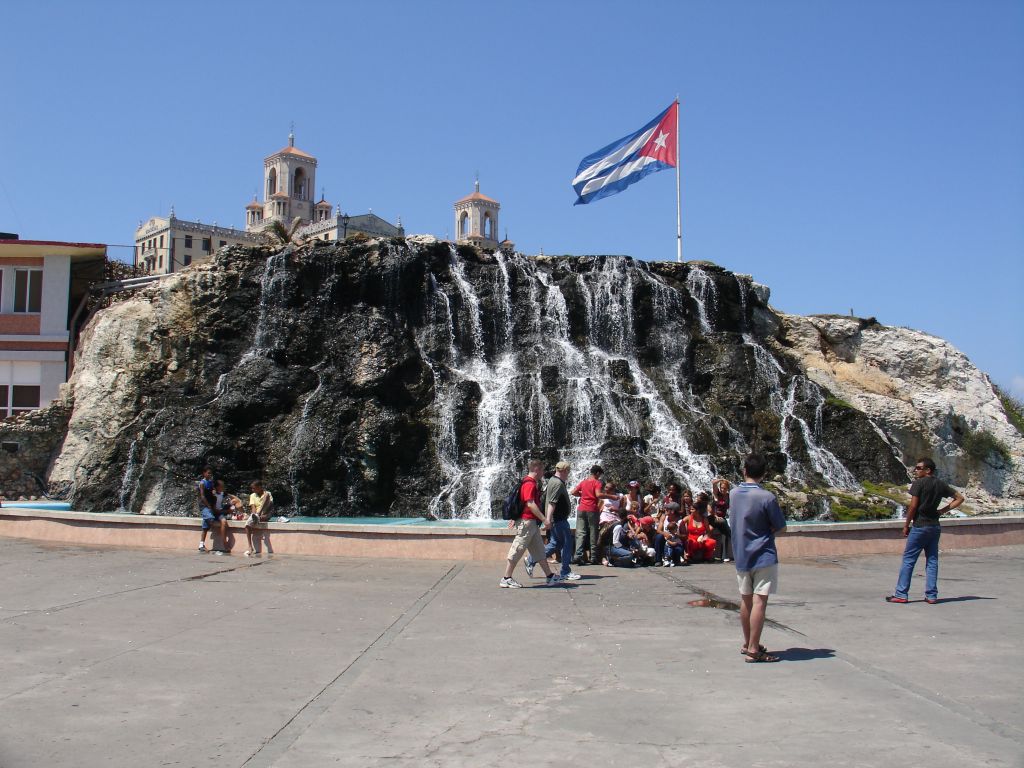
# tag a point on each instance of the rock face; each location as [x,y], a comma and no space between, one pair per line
[923,393]
[28,447]
[406,377]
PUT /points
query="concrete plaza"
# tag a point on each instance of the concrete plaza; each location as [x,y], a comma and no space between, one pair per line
[116,657]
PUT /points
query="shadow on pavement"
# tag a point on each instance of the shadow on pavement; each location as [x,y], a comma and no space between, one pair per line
[804,654]
[961,599]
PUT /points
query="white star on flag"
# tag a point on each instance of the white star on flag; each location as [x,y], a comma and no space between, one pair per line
[660,141]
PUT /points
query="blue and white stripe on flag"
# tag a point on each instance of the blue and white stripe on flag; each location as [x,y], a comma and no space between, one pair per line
[613,168]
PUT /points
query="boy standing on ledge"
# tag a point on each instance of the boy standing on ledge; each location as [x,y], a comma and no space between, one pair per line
[209,509]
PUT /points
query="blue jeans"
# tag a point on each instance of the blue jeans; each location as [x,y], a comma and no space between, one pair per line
[620,557]
[210,517]
[659,547]
[561,539]
[925,538]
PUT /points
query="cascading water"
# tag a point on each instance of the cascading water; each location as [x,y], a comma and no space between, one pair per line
[822,460]
[704,291]
[295,453]
[594,405]
[768,375]
[439,370]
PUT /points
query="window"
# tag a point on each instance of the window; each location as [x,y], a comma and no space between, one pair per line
[206,244]
[19,387]
[222,243]
[160,261]
[24,398]
[187,259]
[161,241]
[188,241]
[18,398]
[28,290]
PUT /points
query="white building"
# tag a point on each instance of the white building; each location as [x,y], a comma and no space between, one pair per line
[43,291]
[168,244]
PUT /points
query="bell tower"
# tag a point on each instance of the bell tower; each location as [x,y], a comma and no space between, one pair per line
[476,219]
[289,178]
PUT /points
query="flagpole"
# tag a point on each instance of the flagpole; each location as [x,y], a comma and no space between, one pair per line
[679,202]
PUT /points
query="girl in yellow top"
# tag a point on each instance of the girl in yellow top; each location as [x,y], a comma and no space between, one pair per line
[261,505]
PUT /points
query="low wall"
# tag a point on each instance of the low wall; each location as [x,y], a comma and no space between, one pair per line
[452,543]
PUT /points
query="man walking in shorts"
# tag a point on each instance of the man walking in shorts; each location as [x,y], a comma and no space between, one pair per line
[528,533]
[755,517]
[556,501]
[921,530]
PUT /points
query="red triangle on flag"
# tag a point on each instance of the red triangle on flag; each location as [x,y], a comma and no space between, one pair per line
[662,144]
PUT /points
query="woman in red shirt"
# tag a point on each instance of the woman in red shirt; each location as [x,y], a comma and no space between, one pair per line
[700,546]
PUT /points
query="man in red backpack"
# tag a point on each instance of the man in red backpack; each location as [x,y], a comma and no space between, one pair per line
[528,534]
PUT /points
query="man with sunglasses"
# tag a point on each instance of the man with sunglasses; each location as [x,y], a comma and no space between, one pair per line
[921,530]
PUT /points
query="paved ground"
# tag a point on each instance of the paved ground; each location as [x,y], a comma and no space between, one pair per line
[137,658]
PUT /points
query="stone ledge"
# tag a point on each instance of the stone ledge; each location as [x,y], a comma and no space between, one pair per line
[450,543]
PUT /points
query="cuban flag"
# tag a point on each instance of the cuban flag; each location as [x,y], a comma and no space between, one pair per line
[613,168]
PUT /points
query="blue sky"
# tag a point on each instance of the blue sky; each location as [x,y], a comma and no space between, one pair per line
[851,155]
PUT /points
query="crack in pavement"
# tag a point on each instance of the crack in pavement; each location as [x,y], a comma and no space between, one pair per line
[732,604]
[1003,730]
[65,606]
[282,740]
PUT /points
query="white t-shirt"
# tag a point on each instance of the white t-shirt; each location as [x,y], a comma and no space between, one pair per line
[617,536]
[609,511]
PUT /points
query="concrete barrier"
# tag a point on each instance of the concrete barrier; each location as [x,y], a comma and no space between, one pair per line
[451,542]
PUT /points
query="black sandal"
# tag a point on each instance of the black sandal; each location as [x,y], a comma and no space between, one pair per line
[761,657]
[760,649]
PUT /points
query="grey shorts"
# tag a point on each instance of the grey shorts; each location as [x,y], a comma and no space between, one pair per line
[760,581]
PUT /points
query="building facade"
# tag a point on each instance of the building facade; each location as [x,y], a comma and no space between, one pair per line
[43,291]
[165,244]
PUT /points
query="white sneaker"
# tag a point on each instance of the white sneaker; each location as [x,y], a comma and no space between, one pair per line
[670,564]
[202,546]
[572,576]
[249,553]
[507,582]
[529,569]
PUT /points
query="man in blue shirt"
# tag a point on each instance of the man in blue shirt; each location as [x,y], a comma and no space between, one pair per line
[755,517]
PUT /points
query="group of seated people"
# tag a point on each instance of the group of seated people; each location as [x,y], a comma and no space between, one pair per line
[217,506]
[651,529]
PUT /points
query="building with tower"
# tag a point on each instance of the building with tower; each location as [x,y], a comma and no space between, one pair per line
[165,244]
[476,221]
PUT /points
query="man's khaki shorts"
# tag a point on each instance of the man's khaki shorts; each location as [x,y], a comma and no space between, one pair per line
[760,581]
[527,539]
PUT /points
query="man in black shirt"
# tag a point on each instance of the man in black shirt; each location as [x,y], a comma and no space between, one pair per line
[921,530]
